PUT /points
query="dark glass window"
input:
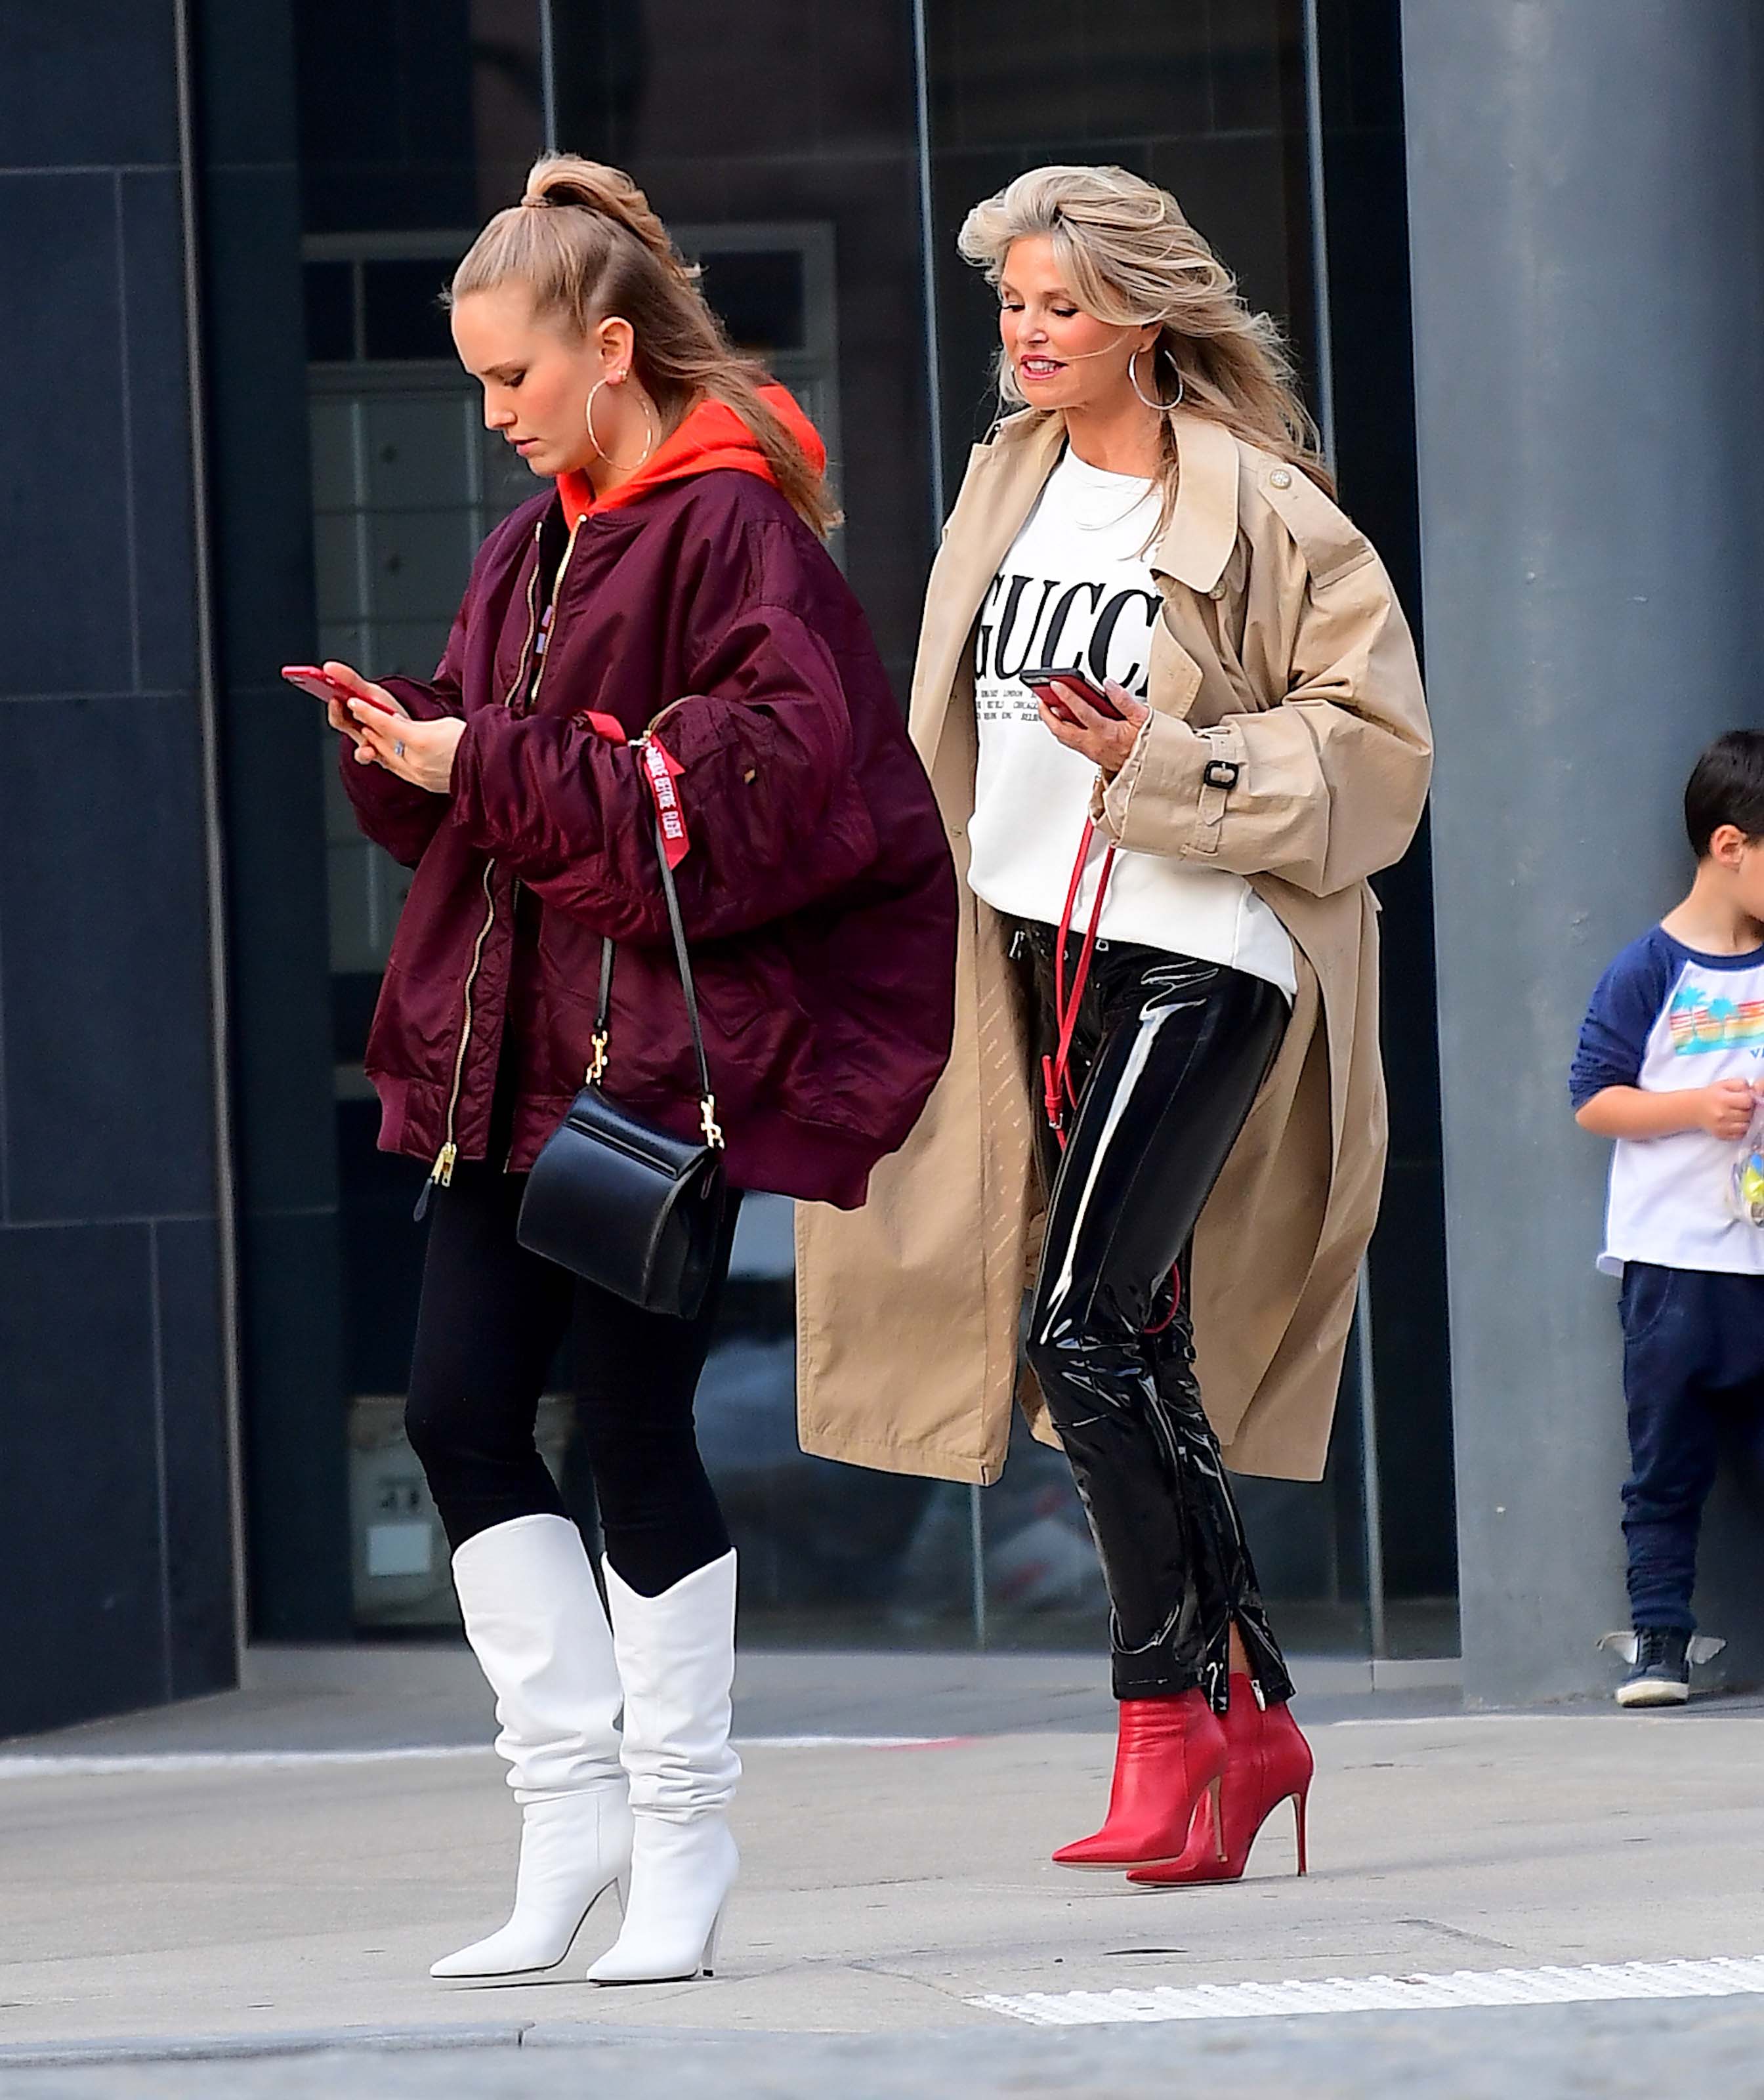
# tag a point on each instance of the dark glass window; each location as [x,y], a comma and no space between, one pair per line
[402,315]
[759,295]
[330,313]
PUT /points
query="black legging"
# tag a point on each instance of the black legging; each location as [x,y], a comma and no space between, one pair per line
[1168,1056]
[491,1318]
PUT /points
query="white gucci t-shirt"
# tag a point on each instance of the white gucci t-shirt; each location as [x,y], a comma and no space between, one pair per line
[1076,590]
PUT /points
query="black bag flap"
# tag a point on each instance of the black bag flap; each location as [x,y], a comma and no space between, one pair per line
[676,1158]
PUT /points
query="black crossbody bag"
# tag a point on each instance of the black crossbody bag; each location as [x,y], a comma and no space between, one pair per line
[624,1205]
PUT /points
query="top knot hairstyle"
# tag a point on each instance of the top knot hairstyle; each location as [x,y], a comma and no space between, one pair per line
[1129,256]
[585,243]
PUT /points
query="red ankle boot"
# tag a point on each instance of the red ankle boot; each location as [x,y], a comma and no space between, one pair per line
[1169,1753]
[1269,1762]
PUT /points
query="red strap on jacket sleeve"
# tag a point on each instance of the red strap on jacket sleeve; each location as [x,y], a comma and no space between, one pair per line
[661,771]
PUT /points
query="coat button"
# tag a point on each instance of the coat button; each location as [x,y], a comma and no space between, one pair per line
[1280,478]
[1217,591]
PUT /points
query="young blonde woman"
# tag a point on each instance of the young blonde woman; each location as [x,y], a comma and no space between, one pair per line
[664,608]
[1166,971]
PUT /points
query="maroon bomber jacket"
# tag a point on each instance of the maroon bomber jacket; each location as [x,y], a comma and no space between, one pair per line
[817,892]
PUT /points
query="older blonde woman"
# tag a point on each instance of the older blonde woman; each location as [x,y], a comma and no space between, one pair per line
[1167,964]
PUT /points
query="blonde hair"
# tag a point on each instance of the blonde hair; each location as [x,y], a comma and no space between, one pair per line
[1130,257]
[584,241]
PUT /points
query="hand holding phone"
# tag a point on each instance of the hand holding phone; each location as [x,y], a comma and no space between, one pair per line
[312,678]
[339,697]
[1109,727]
[1044,682]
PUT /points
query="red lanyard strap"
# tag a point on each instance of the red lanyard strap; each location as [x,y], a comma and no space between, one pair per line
[1056,1068]
[1058,1091]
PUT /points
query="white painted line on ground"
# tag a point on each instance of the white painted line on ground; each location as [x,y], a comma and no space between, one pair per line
[852,1742]
[90,1765]
[81,1765]
[1727,1977]
[1608,1711]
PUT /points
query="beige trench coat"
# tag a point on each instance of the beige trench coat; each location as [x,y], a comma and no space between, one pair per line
[1282,649]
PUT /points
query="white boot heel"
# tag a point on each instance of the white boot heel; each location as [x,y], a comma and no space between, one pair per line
[676,1659]
[680,1877]
[715,1936]
[537,1627]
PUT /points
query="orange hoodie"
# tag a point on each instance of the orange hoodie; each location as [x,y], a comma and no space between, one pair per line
[711,436]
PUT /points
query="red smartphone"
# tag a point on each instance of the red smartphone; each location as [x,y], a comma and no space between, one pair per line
[311,679]
[1042,682]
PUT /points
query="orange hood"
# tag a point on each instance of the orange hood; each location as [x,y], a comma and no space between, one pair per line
[711,436]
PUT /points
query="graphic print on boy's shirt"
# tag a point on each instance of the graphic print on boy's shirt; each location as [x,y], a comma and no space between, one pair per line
[1701,1019]
[1665,1018]
[1076,590]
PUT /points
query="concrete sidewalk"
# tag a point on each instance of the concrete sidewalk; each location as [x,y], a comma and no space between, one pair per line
[260,1867]
[1696,2051]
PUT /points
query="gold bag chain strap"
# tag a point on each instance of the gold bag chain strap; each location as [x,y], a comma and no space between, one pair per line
[602,1035]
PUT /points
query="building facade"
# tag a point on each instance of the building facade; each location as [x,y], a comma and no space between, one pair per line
[241,440]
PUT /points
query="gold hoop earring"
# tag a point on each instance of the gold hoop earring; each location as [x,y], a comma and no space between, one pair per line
[1133,380]
[624,466]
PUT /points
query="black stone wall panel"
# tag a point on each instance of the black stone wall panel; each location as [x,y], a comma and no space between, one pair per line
[109,1110]
[80,1569]
[69,590]
[115,1546]
[87,83]
[155,467]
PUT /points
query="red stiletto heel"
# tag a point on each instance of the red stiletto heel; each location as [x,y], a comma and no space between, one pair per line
[1212,1808]
[1270,1762]
[1170,1757]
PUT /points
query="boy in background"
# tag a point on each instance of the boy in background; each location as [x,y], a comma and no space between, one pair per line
[1671,1066]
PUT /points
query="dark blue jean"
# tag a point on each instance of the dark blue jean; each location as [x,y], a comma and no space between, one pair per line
[1693,1370]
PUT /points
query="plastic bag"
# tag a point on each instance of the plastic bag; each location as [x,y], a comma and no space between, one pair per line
[1745,1186]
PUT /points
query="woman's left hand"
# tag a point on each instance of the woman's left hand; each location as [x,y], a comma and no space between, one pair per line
[1105,742]
[419,751]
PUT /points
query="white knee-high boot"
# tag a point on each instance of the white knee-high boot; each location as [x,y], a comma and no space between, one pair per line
[535,1623]
[677,1661]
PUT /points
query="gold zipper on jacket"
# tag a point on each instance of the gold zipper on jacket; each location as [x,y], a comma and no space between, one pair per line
[551,612]
[533,620]
[441,1174]
[514,921]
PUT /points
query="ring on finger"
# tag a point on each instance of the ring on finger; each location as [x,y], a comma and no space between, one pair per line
[398,748]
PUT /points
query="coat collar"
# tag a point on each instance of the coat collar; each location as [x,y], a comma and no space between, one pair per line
[1004,479]
[1197,542]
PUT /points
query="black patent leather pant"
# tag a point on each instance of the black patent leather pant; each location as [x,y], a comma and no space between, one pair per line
[1167,1056]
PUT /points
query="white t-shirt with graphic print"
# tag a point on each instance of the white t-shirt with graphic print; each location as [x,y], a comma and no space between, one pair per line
[1666,1017]
[1076,590]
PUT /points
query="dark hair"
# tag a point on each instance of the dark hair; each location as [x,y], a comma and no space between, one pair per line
[1726,786]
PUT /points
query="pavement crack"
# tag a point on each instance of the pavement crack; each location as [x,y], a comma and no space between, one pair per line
[1458,1932]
